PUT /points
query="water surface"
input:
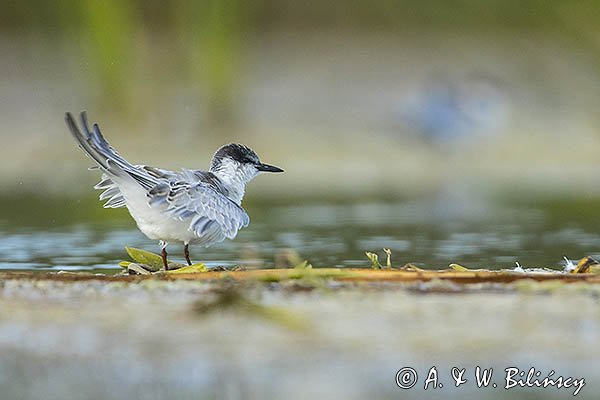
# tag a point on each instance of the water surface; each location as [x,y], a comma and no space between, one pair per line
[63,234]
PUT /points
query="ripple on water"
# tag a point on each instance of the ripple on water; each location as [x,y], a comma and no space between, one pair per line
[426,233]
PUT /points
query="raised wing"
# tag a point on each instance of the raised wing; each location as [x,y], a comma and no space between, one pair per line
[114,167]
[106,157]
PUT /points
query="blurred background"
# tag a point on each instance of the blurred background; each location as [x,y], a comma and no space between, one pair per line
[449,131]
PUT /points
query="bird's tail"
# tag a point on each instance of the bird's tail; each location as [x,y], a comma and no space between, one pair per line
[106,157]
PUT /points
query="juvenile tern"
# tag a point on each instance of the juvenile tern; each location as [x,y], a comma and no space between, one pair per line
[187,206]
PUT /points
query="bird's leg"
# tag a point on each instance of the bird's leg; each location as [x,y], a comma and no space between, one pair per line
[164,258]
[163,254]
[186,253]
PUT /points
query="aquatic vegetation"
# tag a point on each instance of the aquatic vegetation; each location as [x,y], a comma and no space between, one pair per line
[135,268]
[459,268]
[189,269]
[152,263]
[411,267]
[147,263]
[375,264]
[145,257]
[585,265]
[374,260]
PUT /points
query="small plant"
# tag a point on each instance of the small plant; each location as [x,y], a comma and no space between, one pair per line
[374,260]
[375,264]
[388,261]
[458,267]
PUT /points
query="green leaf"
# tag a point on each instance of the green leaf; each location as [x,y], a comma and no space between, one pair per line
[190,269]
[145,257]
[459,268]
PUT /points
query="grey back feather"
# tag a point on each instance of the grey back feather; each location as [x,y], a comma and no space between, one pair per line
[212,215]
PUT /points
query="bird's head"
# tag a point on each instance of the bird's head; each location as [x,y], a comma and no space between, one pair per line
[238,164]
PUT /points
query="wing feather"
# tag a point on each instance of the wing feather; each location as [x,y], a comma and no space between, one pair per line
[114,167]
[106,157]
[212,215]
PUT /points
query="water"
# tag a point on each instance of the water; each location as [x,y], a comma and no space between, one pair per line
[430,233]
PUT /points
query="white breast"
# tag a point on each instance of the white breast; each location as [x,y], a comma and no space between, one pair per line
[154,222]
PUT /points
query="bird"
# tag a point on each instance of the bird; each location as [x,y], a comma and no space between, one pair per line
[189,206]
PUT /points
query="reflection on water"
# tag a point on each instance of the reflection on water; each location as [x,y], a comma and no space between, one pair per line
[428,233]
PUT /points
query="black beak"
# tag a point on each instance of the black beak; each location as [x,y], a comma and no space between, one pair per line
[268,168]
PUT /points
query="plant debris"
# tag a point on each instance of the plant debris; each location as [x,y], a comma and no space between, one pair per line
[146,262]
[133,268]
[585,265]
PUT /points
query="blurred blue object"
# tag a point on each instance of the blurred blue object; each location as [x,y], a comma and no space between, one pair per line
[446,112]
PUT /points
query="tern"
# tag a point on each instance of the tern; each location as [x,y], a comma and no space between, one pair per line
[188,206]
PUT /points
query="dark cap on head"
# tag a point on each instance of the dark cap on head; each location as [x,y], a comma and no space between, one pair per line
[241,154]
[235,151]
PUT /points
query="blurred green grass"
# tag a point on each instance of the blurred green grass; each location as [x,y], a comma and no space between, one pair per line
[314,86]
[209,35]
